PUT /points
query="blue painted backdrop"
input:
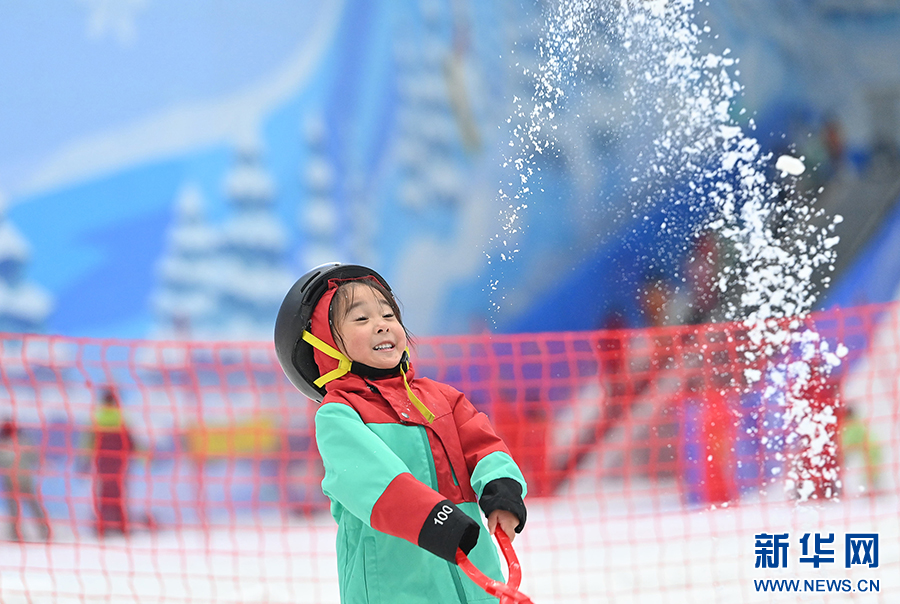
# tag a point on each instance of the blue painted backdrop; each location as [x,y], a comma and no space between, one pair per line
[380,128]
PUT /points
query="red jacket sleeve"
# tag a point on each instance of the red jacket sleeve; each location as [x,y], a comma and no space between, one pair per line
[498,482]
[476,434]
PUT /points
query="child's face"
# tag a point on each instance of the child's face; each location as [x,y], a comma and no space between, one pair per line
[369,332]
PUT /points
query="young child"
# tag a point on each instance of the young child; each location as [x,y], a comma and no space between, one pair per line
[408,461]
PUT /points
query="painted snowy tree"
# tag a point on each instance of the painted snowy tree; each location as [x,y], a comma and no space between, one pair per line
[251,275]
[318,218]
[185,301]
[429,136]
[23,306]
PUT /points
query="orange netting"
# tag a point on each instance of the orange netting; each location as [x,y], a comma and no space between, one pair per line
[652,459]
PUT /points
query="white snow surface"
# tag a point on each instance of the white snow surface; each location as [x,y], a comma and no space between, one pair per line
[574,550]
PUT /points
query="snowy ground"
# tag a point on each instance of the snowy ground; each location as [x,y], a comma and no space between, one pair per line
[581,553]
[574,551]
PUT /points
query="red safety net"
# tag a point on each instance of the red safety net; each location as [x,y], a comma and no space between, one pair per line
[138,471]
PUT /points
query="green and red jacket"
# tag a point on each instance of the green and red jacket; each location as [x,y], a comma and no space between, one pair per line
[391,476]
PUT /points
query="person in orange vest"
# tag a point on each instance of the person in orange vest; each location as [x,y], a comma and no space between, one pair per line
[111,449]
[18,466]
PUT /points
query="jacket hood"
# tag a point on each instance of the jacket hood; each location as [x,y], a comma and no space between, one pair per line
[321,328]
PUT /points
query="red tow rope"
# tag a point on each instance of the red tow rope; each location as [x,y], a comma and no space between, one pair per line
[507,592]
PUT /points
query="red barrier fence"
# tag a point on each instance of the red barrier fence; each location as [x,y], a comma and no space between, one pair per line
[654,461]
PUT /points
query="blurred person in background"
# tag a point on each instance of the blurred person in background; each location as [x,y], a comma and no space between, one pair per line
[19,464]
[655,298]
[697,300]
[832,135]
[857,445]
[111,446]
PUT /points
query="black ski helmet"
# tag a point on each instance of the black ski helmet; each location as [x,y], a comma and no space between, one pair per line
[295,316]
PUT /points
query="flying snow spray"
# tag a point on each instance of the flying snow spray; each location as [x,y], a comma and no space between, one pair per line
[678,120]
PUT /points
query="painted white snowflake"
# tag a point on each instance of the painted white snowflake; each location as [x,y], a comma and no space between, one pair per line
[115,17]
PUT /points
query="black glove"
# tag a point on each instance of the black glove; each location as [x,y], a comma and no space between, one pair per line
[504,494]
[446,529]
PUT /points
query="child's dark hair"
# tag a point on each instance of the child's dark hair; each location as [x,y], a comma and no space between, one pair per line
[343,301]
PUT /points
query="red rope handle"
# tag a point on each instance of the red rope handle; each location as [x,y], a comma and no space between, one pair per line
[507,592]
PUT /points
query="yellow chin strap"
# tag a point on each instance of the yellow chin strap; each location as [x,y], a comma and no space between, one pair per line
[425,411]
[344,364]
